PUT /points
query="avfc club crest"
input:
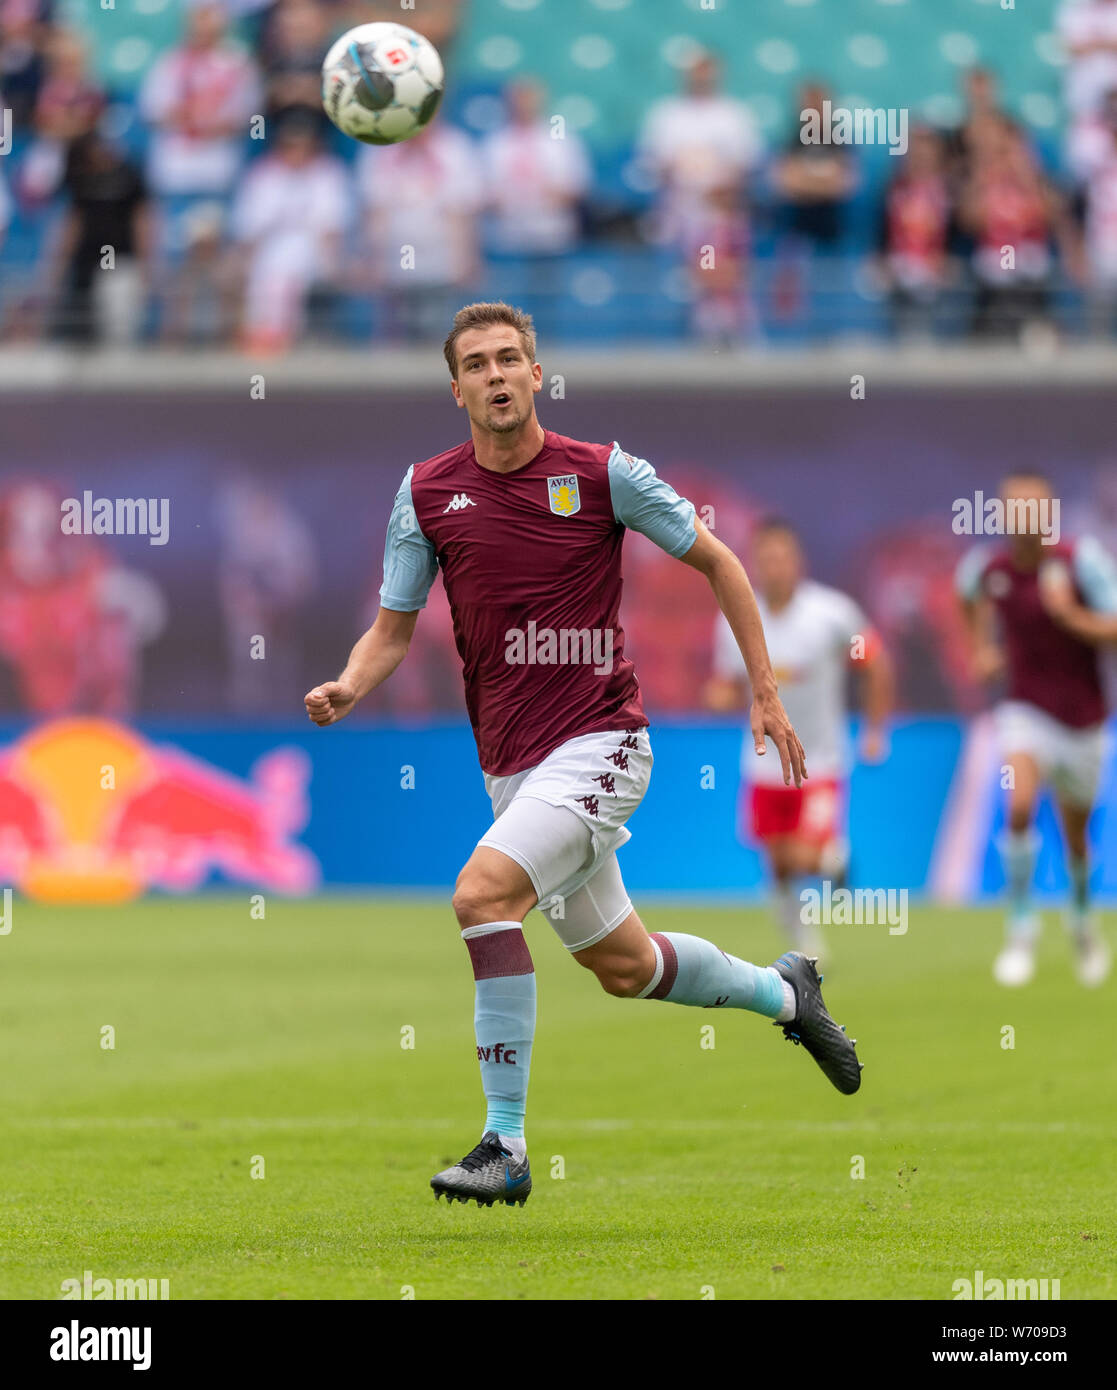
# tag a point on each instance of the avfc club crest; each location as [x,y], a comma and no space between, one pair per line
[563,494]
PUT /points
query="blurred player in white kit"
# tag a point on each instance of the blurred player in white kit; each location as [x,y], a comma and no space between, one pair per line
[815,634]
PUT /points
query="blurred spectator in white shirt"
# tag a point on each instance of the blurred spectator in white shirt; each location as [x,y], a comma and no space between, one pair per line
[200,97]
[536,172]
[1088,29]
[422,197]
[290,217]
[695,145]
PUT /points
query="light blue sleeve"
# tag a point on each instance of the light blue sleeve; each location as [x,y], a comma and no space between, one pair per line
[1096,574]
[967,577]
[643,502]
[410,564]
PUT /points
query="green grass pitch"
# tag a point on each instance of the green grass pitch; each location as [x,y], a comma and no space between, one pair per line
[686,1170]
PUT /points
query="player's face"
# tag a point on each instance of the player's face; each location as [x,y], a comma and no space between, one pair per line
[496,382]
[777,565]
[1017,490]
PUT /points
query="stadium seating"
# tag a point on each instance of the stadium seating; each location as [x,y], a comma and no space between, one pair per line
[892,52]
[606,61]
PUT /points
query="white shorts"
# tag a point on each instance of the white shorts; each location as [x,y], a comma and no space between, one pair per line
[563,821]
[1070,759]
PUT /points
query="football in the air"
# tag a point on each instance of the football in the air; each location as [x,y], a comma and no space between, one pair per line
[381,83]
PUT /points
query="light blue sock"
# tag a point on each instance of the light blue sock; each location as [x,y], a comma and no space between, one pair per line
[503,1020]
[690,970]
[1018,850]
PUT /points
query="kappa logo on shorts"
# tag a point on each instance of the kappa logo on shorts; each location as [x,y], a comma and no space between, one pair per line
[563,495]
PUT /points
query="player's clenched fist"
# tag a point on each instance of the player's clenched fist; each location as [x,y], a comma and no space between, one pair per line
[329,702]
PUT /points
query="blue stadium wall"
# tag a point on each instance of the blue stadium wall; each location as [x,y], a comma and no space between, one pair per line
[367,829]
[399,808]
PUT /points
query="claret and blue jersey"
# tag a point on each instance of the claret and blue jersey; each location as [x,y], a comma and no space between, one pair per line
[1047,666]
[531,561]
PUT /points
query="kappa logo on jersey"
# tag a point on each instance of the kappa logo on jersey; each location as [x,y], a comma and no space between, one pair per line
[458,502]
[563,494]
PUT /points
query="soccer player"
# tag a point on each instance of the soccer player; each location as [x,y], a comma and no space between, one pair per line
[526,526]
[1054,606]
[814,635]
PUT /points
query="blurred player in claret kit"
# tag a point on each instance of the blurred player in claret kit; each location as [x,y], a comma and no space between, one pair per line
[526,526]
[1039,612]
[814,635]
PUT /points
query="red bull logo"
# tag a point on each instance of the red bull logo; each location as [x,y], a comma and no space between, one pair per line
[90,811]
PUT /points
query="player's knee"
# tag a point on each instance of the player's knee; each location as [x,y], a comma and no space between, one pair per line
[479,898]
[622,981]
[806,859]
[622,975]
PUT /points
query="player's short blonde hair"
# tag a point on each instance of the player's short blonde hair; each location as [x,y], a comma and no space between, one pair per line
[484,316]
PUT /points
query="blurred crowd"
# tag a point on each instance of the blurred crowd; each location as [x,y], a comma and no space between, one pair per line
[240,216]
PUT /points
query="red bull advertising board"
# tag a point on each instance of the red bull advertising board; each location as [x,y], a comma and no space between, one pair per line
[91,811]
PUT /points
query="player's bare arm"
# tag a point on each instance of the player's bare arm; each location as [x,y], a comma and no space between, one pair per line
[727,578]
[372,660]
[986,657]
[878,698]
